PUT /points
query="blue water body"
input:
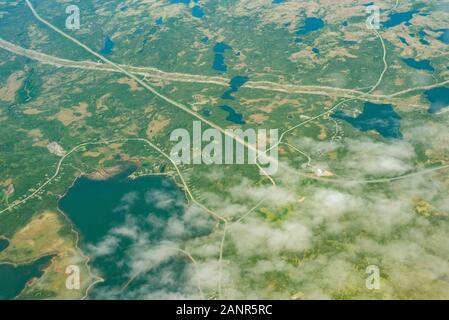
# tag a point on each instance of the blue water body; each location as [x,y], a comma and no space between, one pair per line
[14,278]
[316,50]
[438,97]
[205,40]
[379,117]
[419,65]
[403,41]
[368,4]
[136,215]
[345,24]
[235,84]
[197,12]
[219,58]
[108,46]
[422,33]
[445,36]
[221,47]
[396,19]
[159,21]
[206,112]
[233,116]
[3,244]
[310,25]
[219,63]
[278,1]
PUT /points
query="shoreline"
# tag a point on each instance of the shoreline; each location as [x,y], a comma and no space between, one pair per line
[98,279]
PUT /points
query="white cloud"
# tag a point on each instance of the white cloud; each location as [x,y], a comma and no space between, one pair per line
[163,200]
[330,203]
[105,247]
[255,237]
[127,201]
[378,158]
[273,196]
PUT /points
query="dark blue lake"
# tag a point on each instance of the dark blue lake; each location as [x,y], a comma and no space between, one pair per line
[221,47]
[438,97]
[3,244]
[197,12]
[378,117]
[108,46]
[310,25]
[396,19]
[206,112]
[120,220]
[219,58]
[404,41]
[419,65]
[233,116]
[14,278]
[219,63]
[235,84]
[422,33]
[445,36]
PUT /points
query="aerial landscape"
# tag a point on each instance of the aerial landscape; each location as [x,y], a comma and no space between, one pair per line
[224,150]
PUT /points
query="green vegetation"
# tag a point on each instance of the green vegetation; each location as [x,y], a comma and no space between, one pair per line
[337,206]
